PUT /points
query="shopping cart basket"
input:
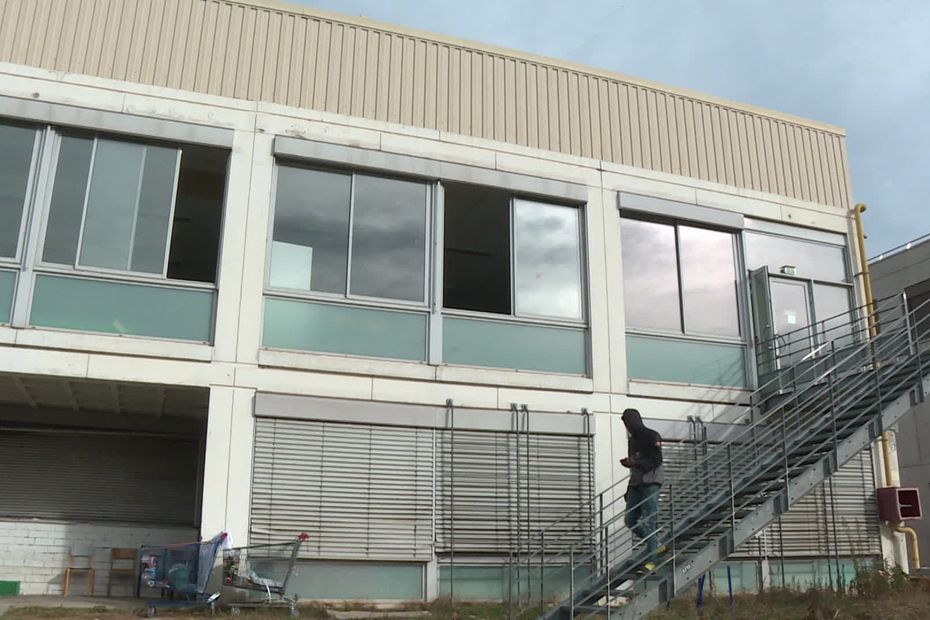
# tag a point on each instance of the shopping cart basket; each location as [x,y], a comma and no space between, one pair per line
[261,572]
[182,572]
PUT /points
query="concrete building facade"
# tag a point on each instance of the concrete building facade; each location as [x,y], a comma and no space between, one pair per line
[267,270]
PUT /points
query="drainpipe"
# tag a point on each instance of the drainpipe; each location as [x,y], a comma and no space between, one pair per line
[891,480]
[864,269]
[890,472]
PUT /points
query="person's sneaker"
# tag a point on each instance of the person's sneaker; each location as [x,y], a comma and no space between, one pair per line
[662,550]
[648,567]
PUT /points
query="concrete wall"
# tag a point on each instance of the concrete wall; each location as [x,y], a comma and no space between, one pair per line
[36,552]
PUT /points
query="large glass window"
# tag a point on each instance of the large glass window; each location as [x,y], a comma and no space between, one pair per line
[118,205]
[16,154]
[650,275]
[795,257]
[511,256]
[679,279]
[349,234]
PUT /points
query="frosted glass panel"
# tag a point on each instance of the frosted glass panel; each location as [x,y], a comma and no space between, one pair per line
[154,212]
[111,205]
[294,324]
[513,345]
[291,265]
[122,308]
[547,265]
[7,286]
[685,361]
[357,580]
[16,146]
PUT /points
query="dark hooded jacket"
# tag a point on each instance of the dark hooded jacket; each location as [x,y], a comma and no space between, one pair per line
[644,451]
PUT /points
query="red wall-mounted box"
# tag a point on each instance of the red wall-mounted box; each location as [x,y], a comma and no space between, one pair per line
[898,504]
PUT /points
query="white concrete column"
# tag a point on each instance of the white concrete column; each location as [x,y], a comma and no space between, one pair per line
[598,283]
[614,291]
[894,545]
[228,463]
[232,249]
[256,241]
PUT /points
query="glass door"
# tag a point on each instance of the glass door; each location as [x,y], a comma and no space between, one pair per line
[791,312]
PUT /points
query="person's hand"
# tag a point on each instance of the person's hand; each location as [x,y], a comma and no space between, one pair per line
[625,462]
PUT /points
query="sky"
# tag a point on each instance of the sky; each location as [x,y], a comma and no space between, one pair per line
[863,65]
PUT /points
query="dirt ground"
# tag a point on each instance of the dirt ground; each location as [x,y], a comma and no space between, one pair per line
[881,599]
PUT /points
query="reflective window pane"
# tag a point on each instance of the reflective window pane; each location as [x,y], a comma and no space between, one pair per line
[547,270]
[154,209]
[62,229]
[111,204]
[832,307]
[311,230]
[16,146]
[708,280]
[808,259]
[650,276]
[791,310]
[389,239]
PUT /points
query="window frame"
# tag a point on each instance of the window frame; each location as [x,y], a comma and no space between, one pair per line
[32,180]
[743,335]
[535,319]
[348,297]
[122,275]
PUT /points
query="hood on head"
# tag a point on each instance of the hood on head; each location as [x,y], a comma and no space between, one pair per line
[632,420]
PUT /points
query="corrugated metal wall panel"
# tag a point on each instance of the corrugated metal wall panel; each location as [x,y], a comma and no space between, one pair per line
[99,477]
[300,59]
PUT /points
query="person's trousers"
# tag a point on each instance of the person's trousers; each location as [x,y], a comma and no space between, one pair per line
[642,505]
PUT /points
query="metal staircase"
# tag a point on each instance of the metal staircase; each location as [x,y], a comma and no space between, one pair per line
[820,405]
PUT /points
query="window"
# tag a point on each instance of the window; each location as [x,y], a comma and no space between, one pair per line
[19,143]
[679,279]
[805,259]
[136,207]
[511,256]
[349,235]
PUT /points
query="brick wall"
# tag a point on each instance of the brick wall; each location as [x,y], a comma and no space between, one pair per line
[36,552]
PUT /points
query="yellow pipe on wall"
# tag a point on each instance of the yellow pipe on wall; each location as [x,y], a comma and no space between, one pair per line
[892,481]
[890,478]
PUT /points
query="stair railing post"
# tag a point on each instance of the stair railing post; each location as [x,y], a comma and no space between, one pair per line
[542,570]
[732,498]
[571,582]
[672,546]
[602,560]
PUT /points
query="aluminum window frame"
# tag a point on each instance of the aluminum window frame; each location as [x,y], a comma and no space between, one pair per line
[348,297]
[583,284]
[76,267]
[32,178]
[740,290]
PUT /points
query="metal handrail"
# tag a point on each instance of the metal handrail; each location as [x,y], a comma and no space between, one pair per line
[887,342]
[814,390]
[899,248]
[760,393]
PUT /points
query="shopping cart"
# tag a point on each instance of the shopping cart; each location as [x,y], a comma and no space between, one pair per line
[182,573]
[260,574]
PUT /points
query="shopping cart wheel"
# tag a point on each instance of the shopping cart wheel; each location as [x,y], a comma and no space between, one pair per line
[235,611]
[295,613]
[150,612]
